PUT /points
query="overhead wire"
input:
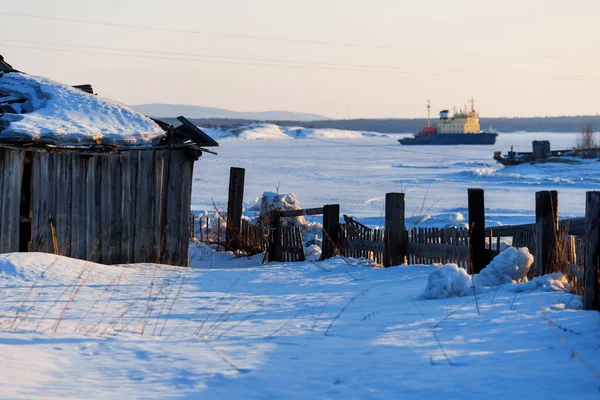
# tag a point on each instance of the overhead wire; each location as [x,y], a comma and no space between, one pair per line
[330,64]
[263,62]
[279,39]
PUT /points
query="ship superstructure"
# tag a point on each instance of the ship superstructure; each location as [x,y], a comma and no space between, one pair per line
[463,121]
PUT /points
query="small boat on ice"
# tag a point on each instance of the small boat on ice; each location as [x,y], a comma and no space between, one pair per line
[542,154]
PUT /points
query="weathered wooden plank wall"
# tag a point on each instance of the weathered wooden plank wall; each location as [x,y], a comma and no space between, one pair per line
[128,207]
[11,165]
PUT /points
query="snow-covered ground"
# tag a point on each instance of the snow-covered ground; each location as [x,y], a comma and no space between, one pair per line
[240,330]
[232,328]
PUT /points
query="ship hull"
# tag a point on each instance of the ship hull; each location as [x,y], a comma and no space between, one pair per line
[451,138]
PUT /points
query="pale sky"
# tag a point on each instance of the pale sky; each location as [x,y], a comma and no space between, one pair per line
[515,57]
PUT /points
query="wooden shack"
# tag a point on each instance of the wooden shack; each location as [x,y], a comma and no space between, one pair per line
[102,203]
[541,148]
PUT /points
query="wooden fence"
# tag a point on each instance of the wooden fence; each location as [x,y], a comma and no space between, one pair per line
[253,239]
[572,246]
[423,245]
[433,245]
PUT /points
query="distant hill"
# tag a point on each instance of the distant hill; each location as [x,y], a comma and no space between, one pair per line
[504,125]
[175,110]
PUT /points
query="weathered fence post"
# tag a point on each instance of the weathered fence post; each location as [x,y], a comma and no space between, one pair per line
[331,230]
[395,241]
[478,255]
[591,236]
[275,236]
[546,226]
[234,208]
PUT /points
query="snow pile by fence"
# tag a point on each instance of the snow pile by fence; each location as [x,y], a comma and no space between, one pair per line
[60,114]
[510,266]
[447,281]
[271,201]
[550,283]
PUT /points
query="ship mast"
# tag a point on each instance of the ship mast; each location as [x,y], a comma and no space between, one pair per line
[428,114]
[472,104]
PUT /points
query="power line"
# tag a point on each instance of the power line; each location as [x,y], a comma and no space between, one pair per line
[277,39]
[367,66]
[295,64]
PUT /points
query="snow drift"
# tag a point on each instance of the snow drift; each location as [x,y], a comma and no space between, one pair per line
[447,281]
[510,266]
[59,114]
[263,131]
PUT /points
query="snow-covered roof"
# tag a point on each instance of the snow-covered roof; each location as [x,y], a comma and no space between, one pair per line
[49,112]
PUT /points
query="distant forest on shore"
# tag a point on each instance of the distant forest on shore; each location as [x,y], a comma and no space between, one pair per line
[535,124]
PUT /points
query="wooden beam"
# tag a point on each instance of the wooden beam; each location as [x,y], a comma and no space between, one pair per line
[546,217]
[575,227]
[275,236]
[234,208]
[591,293]
[395,242]
[331,230]
[301,213]
[478,253]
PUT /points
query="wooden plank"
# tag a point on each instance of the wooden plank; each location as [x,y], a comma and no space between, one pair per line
[134,161]
[117,222]
[300,242]
[362,245]
[186,202]
[5,199]
[67,203]
[143,214]
[77,210]
[430,250]
[34,208]
[177,208]
[127,208]
[11,199]
[57,208]
[40,198]
[546,216]
[301,213]
[158,208]
[591,294]
[92,235]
